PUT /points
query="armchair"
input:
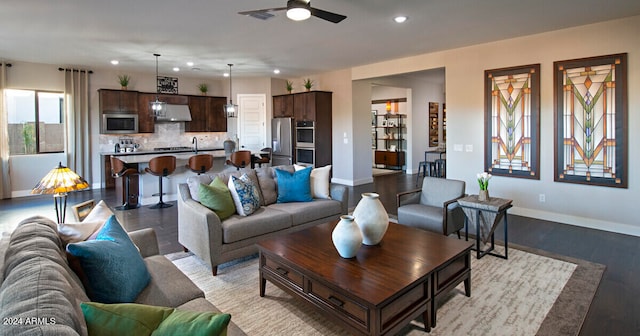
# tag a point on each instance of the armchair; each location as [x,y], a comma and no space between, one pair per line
[434,207]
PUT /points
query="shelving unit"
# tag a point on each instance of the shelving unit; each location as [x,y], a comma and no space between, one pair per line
[433,125]
[388,140]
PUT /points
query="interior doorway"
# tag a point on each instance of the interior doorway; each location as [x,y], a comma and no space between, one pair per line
[251,121]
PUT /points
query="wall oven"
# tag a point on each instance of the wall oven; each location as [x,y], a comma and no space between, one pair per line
[305,156]
[119,123]
[305,134]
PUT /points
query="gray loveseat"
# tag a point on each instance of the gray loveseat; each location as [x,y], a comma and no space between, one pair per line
[41,295]
[214,241]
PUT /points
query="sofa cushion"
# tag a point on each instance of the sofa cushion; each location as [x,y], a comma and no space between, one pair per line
[99,213]
[39,283]
[263,221]
[304,212]
[168,286]
[217,197]
[73,232]
[320,181]
[112,264]
[144,320]
[245,195]
[268,185]
[294,187]
[194,183]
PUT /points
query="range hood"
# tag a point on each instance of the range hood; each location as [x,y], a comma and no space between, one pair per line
[176,113]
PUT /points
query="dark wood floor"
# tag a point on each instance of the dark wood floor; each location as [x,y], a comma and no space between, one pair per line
[615,309]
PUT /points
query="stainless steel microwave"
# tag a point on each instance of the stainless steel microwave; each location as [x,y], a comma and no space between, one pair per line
[119,123]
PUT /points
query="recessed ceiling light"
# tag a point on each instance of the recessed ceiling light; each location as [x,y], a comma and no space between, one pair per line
[226,74]
[176,69]
[276,71]
[114,62]
[400,19]
[190,64]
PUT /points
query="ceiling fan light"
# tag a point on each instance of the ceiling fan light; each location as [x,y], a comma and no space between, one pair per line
[298,13]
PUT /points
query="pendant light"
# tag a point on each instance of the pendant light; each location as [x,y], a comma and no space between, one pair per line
[231,110]
[157,108]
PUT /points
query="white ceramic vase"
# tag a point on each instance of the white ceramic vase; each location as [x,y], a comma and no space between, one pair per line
[372,218]
[347,237]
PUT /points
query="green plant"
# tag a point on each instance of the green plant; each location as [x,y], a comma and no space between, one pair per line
[29,138]
[483,180]
[203,87]
[124,80]
[289,86]
[308,83]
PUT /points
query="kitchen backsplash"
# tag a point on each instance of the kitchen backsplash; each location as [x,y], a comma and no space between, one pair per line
[165,135]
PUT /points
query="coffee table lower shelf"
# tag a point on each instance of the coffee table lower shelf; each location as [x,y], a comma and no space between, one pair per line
[340,306]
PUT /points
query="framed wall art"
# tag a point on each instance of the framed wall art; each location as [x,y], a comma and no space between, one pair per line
[591,120]
[168,85]
[512,121]
[80,211]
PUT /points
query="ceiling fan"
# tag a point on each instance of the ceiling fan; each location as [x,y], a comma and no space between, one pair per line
[297,10]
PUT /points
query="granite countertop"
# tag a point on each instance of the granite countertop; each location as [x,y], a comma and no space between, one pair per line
[151,151]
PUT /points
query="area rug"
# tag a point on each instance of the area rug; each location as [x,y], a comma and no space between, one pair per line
[532,293]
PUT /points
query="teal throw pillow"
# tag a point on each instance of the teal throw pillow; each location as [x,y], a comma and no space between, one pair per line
[217,197]
[112,265]
[143,320]
[294,187]
[245,194]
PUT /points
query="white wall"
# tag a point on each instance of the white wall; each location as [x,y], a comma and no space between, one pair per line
[590,206]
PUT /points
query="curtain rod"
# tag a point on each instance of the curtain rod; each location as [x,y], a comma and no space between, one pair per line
[75,70]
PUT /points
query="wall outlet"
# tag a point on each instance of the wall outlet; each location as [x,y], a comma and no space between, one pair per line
[542,198]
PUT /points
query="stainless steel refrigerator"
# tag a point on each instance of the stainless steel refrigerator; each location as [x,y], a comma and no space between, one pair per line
[282,141]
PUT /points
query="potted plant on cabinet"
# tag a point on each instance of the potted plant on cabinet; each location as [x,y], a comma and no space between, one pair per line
[204,88]
[308,84]
[124,81]
[289,86]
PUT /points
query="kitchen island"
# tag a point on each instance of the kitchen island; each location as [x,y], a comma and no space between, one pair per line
[145,185]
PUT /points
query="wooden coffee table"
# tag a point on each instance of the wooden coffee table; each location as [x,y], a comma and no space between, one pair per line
[379,291]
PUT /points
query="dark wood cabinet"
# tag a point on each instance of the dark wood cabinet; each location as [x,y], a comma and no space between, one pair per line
[207,114]
[283,106]
[146,122]
[118,101]
[389,158]
[311,105]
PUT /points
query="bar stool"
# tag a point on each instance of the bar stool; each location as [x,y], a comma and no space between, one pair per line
[428,168]
[441,167]
[200,163]
[263,158]
[240,159]
[161,166]
[120,169]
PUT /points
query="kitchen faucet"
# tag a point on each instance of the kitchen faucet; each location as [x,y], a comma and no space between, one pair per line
[194,141]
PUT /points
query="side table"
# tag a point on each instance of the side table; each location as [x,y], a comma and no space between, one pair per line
[486,215]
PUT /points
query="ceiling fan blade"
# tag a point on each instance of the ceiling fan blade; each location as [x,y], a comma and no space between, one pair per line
[266,10]
[332,17]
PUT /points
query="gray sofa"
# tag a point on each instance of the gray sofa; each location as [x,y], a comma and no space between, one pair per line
[37,283]
[214,241]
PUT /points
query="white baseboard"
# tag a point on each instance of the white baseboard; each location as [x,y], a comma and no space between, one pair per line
[352,182]
[21,193]
[578,221]
[155,199]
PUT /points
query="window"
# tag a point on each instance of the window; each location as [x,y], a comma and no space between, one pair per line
[29,108]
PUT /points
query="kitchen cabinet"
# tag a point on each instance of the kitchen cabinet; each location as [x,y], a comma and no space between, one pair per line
[310,105]
[207,114]
[118,101]
[283,106]
[146,122]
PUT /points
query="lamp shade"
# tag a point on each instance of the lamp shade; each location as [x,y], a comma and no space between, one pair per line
[60,180]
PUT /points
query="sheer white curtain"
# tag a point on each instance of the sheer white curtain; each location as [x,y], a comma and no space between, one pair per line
[5,180]
[76,90]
